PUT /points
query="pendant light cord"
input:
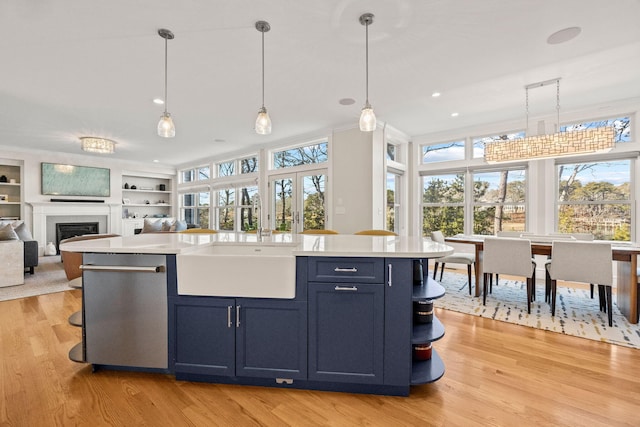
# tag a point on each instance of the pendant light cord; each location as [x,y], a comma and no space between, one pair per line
[166,98]
[366,28]
[262,69]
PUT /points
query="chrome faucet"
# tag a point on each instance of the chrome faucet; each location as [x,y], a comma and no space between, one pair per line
[257,209]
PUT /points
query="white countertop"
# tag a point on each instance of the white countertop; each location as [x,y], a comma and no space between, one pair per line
[301,245]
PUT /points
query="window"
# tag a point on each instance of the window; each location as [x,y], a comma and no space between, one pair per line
[499,201]
[235,209]
[393,199]
[188,175]
[249,165]
[595,197]
[298,156]
[204,173]
[443,152]
[226,168]
[479,142]
[197,174]
[392,152]
[621,125]
[194,208]
[443,203]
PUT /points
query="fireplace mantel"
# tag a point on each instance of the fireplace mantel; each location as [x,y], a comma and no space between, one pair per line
[42,210]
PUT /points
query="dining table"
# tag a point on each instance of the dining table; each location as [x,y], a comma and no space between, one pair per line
[624,253]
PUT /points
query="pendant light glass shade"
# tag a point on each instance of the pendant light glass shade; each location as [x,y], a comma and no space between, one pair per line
[367,117]
[166,128]
[263,122]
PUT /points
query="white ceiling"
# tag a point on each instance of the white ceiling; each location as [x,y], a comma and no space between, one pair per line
[75,67]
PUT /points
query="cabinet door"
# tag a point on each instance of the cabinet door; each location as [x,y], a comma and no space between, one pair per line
[397,326]
[271,339]
[204,338]
[346,332]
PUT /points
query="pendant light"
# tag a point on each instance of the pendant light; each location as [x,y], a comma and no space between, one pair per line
[166,127]
[367,117]
[263,122]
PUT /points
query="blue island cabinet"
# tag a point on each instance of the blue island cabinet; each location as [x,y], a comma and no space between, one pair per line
[221,339]
[350,328]
[360,323]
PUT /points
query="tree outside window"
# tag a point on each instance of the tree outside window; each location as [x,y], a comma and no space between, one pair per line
[499,201]
[595,198]
[443,204]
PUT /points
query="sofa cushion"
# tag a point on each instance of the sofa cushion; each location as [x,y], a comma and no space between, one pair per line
[8,233]
[167,225]
[23,232]
[152,225]
[179,225]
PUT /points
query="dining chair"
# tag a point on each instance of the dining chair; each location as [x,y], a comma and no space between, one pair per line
[577,236]
[454,258]
[508,255]
[515,234]
[325,231]
[375,233]
[585,262]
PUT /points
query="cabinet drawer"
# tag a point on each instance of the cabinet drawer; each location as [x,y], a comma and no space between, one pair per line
[352,270]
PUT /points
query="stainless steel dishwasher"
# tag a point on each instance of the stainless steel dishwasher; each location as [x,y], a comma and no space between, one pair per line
[125,310]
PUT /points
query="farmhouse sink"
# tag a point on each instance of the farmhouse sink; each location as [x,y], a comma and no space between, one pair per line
[246,270]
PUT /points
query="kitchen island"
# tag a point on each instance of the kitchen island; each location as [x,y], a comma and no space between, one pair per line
[326,312]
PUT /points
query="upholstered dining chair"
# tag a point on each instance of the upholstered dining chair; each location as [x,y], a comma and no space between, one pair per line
[375,233]
[454,258]
[515,234]
[507,255]
[585,262]
[325,231]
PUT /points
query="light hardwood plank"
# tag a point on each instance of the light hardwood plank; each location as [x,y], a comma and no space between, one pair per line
[497,374]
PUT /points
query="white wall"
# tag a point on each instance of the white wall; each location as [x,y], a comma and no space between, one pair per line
[352,169]
[31,185]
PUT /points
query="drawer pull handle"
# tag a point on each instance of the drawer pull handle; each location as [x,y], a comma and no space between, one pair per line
[390,282]
[229,316]
[346,288]
[345,270]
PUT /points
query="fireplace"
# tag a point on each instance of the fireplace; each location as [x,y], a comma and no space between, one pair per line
[65,230]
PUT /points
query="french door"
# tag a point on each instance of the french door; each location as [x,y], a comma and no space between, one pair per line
[298,201]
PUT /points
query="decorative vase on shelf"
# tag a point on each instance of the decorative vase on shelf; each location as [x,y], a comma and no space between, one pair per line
[50,249]
[3,178]
[126,186]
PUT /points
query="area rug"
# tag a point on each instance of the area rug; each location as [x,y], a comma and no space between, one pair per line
[576,313]
[49,277]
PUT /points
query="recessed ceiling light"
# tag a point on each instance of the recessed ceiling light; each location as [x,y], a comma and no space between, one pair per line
[156,160]
[454,114]
[347,101]
[158,101]
[435,94]
[564,35]
[219,140]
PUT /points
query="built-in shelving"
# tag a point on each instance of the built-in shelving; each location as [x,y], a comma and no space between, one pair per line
[10,192]
[151,197]
[427,371]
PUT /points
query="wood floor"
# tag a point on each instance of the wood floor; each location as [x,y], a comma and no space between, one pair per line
[497,374]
